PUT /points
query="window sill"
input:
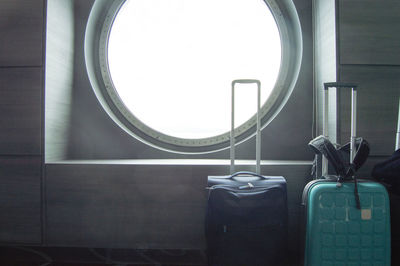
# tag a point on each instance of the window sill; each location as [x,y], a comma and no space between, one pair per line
[203,162]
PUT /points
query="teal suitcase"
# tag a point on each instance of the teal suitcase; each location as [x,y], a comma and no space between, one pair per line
[346,221]
[338,233]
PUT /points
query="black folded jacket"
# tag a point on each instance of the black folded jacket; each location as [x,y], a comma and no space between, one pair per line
[388,170]
[339,157]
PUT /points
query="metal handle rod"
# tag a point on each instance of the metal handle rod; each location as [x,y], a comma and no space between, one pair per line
[325,130]
[232,135]
[398,130]
[258,130]
[353,124]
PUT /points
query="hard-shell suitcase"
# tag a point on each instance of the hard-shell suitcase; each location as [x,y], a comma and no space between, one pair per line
[246,220]
[337,233]
[347,222]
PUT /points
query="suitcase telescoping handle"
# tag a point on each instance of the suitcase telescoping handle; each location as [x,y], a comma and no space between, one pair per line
[353,88]
[232,135]
[340,85]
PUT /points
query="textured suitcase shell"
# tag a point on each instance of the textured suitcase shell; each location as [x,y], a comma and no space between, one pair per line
[337,233]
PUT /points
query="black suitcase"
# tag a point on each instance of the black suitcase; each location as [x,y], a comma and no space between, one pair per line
[246,220]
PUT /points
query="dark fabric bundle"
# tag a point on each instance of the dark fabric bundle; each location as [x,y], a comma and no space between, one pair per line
[339,157]
[336,157]
[362,152]
[388,171]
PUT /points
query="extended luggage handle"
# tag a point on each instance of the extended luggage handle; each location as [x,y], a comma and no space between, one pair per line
[232,134]
[339,85]
[351,169]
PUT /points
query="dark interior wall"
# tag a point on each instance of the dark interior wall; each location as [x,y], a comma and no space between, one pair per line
[130,205]
[364,50]
[368,54]
[21,91]
[141,204]
[99,205]
[127,204]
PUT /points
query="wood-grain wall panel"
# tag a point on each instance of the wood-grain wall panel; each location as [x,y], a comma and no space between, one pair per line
[21,28]
[369,32]
[20,111]
[377,105]
[20,199]
[124,206]
[141,206]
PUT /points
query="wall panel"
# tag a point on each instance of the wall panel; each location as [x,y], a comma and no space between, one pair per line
[369,32]
[21,85]
[21,27]
[20,194]
[123,206]
[377,105]
[142,206]
[20,111]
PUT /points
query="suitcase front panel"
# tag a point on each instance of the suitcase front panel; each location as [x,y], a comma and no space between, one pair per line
[247,226]
[338,232]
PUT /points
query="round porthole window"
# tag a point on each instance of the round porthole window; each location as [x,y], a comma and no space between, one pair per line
[167,68]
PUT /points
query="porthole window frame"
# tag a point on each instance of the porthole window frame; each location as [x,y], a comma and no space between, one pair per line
[99,26]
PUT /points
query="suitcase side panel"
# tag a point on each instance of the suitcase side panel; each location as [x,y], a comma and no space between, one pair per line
[338,232]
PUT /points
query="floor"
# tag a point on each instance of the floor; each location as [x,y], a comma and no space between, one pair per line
[62,256]
[41,256]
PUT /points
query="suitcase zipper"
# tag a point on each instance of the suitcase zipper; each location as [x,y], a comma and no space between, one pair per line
[245,188]
[249,185]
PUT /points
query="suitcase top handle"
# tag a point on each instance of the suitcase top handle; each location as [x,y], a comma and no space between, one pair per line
[246,173]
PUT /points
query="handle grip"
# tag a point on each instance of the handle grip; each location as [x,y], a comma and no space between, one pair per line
[339,85]
[247,174]
[246,81]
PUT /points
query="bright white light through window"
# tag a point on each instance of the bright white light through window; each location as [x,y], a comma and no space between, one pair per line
[172,62]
